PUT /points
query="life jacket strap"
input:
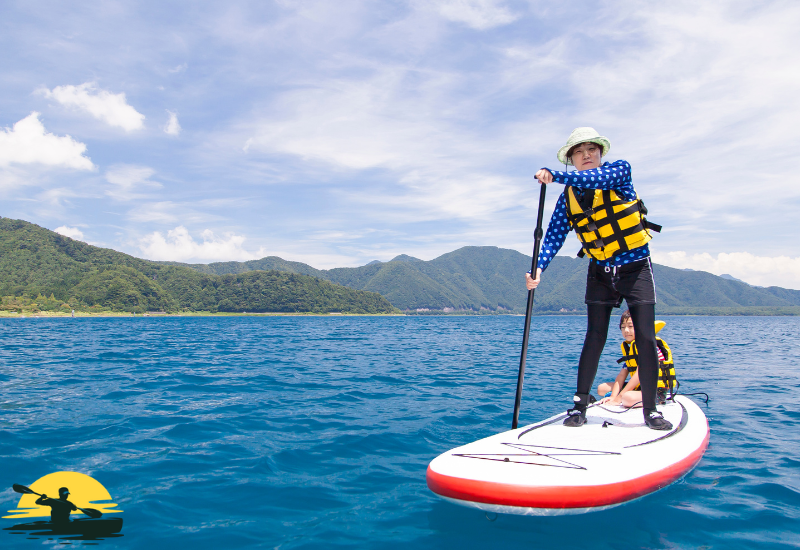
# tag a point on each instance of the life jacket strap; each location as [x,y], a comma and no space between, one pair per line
[652,226]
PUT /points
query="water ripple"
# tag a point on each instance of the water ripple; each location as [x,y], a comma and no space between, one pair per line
[309,432]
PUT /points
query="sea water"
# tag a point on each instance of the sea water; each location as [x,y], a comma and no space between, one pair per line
[315,432]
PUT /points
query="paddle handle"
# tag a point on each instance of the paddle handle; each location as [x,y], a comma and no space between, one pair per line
[537,243]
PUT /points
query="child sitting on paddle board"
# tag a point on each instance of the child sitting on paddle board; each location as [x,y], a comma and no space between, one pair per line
[601,205]
[629,394]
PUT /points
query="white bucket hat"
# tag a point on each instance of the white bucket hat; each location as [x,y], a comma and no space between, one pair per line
[583,135]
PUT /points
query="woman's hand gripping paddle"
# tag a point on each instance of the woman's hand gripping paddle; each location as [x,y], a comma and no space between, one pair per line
[537,235]
[91,512]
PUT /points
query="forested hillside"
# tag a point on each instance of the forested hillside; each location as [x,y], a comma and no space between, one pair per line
[40,267]
[54,272]
[490,280]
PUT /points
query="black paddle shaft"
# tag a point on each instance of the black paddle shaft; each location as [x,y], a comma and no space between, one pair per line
[537,242]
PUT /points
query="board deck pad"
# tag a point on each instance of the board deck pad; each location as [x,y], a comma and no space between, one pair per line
[550,469]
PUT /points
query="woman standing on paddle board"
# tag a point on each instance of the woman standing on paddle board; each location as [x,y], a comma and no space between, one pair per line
[601,205]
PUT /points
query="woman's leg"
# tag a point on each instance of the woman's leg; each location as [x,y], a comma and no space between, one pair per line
[644,318]
[593,344]
[604,388]
[596,333]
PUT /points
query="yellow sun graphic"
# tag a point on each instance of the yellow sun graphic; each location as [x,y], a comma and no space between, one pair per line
[85,492]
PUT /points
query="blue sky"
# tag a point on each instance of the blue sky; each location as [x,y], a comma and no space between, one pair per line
[336,133]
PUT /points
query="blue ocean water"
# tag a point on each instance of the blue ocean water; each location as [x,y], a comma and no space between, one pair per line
[315,432]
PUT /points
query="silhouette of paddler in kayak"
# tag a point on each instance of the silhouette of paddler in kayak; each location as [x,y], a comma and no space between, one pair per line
[60,508]
[60,504]
[91,527]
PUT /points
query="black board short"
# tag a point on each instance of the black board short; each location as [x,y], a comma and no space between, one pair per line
[608,286]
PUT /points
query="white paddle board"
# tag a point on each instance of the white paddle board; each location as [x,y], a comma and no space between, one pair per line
[550,469]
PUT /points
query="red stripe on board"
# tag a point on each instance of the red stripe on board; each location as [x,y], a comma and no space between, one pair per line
[560,497]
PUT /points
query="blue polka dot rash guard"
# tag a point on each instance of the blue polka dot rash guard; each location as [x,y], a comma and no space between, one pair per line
[616,176]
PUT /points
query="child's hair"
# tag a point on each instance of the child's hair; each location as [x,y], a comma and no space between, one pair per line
[624,318]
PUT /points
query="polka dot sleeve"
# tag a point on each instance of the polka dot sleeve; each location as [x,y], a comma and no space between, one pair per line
[557,231]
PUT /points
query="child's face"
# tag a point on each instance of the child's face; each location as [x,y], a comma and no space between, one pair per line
[587,156]
[627,331]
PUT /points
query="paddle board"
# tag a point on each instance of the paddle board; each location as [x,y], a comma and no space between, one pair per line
[550,469]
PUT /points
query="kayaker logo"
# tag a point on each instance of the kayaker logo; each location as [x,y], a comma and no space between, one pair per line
[58,496]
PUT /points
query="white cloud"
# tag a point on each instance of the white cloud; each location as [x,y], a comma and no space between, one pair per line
[179,69]
[477,14]
[178,245]
[128,180]
[448,193]
[29,143]
[12,177]
[172,127]
[162,212]
[71,232]
[58,197]
[113,109]
[128,176]
[442,165]
[782,271]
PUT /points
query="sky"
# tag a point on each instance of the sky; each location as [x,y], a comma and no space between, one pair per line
[340,132]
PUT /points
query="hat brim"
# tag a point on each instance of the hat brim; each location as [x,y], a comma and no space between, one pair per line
[599,140]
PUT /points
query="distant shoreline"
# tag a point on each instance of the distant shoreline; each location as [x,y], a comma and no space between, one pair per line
[791,311]
[84,314]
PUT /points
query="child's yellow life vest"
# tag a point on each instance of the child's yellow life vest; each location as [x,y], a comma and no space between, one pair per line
[666,368]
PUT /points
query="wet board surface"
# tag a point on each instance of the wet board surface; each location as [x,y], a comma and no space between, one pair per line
[549,469]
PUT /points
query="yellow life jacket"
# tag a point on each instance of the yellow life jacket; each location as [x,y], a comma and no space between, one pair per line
[666,368]
[606,224]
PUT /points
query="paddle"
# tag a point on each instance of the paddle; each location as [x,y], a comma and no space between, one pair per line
[91,512]
[537,235]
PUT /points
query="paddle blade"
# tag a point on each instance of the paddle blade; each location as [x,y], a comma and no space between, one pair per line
[22,489]
[91,512]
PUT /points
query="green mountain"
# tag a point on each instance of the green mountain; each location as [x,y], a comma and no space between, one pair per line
[53,272]
[490,280]
[405,258]
[270,263]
